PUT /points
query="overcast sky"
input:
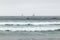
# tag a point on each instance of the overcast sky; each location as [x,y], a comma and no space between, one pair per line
[29,7]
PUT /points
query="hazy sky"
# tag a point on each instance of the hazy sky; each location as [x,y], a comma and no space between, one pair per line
[28,7]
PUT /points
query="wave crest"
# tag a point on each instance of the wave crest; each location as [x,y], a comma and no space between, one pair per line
[30,28]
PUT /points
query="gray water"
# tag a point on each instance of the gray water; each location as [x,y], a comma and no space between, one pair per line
[29,30]
[55,35]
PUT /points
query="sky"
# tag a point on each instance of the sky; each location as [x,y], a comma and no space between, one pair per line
[29,7]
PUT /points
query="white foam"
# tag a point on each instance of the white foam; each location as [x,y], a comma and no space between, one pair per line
[33,23]
[29,28]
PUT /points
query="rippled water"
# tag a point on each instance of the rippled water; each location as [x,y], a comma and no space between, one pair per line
[30,30]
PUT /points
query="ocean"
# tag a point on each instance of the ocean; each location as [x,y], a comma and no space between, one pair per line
[30,29]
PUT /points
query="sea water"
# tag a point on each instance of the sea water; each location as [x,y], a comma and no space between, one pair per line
[29,29]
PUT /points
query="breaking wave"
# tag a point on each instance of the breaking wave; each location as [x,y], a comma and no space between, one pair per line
[29,26]
[27,23]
